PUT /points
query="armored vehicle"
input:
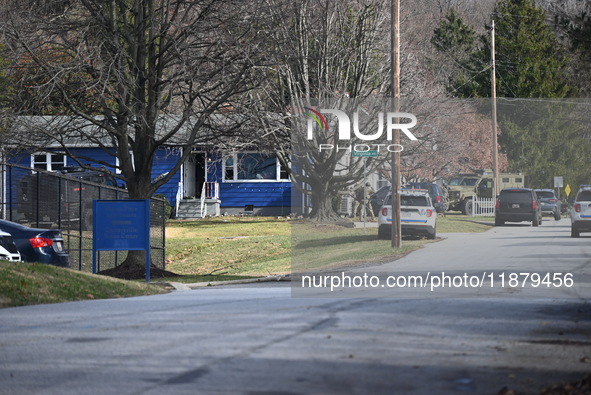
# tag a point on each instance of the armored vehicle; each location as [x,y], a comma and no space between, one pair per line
[465,186]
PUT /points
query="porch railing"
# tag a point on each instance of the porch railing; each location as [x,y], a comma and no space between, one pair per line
[210,190]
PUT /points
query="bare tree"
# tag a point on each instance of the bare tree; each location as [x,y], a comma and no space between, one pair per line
[461,141]
[133,75]
[327,54]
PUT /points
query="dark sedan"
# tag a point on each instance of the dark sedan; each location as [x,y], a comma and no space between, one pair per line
[38,245]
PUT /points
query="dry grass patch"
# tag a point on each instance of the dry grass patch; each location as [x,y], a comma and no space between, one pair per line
[247,246]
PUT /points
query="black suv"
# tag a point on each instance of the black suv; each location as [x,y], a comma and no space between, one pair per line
[438,194]
[516,205]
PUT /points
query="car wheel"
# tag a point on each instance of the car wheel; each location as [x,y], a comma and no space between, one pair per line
[499,222]
[536,221]
[557,216]
[432,236]
[574,232]
[468,207]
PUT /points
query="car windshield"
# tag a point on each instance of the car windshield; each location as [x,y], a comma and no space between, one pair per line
[414,201]
[469,182]
[584,196]
[454,181]
[516,195]
[545,194]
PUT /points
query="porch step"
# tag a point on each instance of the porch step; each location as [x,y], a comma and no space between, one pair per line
[189,209]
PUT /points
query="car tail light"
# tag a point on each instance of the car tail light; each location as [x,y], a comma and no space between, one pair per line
[534,204]
[578,208]
[429,213]
[385,211]
[553,200]
[498,204]
[38,242]
[438,199]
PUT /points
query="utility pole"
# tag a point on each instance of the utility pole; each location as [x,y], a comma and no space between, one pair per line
[395,69]
[493,84]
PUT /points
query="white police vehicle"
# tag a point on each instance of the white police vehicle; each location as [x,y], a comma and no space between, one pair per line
[580,213]
[8,250]
[417,215]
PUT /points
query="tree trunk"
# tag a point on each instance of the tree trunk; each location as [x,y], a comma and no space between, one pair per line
[322,204]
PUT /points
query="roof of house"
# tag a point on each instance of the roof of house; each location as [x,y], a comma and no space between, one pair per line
[55,131]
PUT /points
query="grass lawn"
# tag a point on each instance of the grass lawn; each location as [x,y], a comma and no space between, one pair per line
[454,222]
[227,248]
[321,247]
[23,283]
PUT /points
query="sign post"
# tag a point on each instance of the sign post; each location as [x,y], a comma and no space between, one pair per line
[558,183]
[121,225]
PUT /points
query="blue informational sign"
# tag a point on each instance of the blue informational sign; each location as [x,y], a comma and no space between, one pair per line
[121,225]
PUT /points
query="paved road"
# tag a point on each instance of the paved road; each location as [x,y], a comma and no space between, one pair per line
[259,339]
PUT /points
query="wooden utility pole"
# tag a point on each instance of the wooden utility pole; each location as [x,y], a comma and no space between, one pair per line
[493,84]
[395,69]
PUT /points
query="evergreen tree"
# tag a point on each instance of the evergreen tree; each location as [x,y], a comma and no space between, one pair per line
[542,139]
[577,29]
[530,62]
[456,41]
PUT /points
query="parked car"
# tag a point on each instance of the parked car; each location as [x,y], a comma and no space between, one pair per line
[516,205]
[378,199]
[418,216]
[550,203]
[38,245]
[580,213]
[8,251]
[438,194]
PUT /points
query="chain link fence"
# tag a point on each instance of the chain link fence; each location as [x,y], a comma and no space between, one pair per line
[50,200]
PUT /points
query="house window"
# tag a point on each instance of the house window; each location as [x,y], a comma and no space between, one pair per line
[252,166]
[48,161]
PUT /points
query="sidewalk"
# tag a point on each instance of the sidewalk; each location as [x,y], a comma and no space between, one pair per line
[368,224]
[190,286]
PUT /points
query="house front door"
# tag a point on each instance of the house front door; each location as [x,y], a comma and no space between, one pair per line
[194,175]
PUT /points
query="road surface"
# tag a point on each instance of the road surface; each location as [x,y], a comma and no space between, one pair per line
[259,339]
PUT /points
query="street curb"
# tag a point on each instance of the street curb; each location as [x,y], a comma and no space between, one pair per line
[190,286]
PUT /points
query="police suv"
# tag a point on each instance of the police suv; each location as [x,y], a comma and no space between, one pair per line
[418,216]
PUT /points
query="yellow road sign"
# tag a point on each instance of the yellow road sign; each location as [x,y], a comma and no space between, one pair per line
[567,190]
